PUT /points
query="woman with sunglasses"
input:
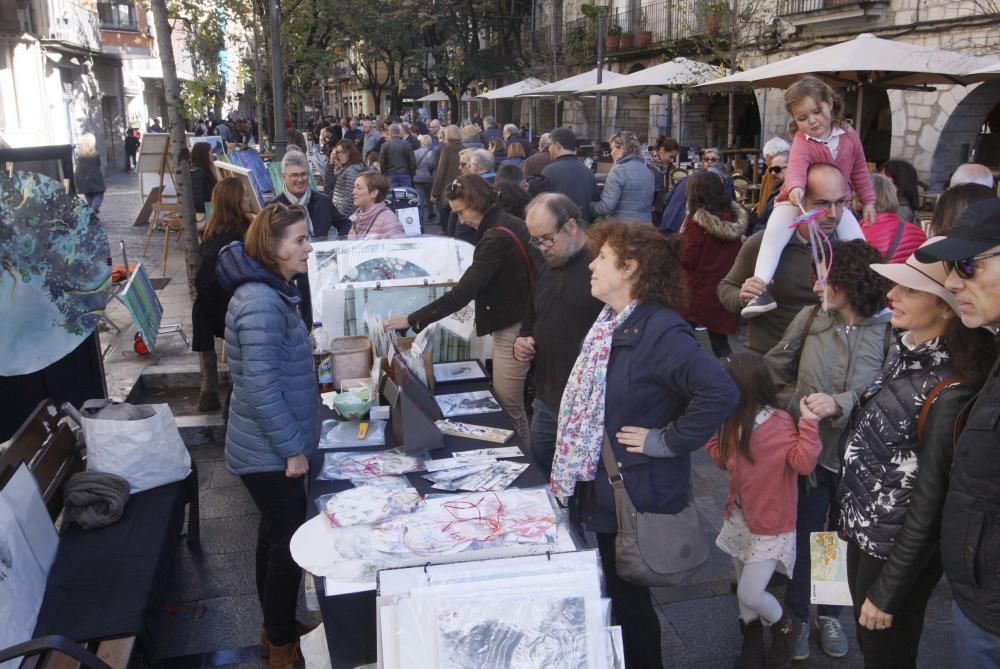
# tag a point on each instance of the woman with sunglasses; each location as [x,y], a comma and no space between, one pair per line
[500,280]
[775,174]
[274,412]
[897,460]
[345,165]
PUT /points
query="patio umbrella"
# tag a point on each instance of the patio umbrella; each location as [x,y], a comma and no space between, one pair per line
[570,85]
[512,90]
[983,74]
[864,61]
[436,96]
[670,76]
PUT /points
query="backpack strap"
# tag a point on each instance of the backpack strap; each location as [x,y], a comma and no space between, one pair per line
[523,252]
[925,410]
[895,242]
[809,324]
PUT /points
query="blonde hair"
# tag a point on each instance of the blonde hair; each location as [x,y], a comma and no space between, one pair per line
[88,145]
[452,133]
[820,91]
[469,131]
[425,140]
[885,193]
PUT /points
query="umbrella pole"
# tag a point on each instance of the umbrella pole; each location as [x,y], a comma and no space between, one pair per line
[860,107]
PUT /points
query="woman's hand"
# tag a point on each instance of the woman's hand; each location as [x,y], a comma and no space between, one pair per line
[804,410]
[296,466]
[396,323]
[795,196]
[632,438]
[823,405]
[868,214]
[874,618]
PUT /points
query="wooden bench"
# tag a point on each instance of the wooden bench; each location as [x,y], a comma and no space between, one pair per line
[103,621]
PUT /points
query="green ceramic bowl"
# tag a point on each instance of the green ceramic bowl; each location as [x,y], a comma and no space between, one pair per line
[353,404]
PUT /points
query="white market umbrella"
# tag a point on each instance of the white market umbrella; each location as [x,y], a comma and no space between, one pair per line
[865,60]
[513,90]
[670,76]
[983,74]
[436,96]
[570,85]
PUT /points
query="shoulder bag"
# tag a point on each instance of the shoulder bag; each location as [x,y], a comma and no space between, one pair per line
[653,549]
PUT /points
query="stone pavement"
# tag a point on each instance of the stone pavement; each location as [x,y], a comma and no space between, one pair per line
[213,617]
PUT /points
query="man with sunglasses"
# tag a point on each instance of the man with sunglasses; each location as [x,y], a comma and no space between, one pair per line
[970,525]
[558,315]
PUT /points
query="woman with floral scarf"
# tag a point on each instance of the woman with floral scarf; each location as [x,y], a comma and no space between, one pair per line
[642,378]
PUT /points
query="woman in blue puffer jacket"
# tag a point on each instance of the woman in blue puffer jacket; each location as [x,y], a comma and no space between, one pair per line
[273,414]
[630,186]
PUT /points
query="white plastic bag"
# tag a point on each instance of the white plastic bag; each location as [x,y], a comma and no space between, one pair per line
[146,452]
[315,652]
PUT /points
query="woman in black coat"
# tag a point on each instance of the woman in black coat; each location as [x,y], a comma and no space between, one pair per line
[500,280]
[229,222]
[203,177]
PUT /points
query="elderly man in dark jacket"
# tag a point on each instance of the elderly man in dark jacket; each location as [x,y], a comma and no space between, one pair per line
[565,174]
[970,526]
[395,159]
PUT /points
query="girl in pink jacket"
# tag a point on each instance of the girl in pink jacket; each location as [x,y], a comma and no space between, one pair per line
[765,454]
[820,137]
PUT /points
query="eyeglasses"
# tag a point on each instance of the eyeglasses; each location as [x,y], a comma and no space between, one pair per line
[298,176]
[823,204]
[776,169]
[710,159]
[545,241]
[461,164]
[966,267]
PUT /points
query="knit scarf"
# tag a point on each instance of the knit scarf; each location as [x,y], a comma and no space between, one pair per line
[580,430]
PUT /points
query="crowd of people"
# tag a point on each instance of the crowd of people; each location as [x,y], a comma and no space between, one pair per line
[863,400]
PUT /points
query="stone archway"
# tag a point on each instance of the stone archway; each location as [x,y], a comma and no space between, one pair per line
[961,135]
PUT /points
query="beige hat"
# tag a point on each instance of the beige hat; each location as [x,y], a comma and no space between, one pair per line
[926,276]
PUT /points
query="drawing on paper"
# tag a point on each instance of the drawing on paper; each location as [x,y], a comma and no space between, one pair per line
[465,404]
[466,370]
[528,633]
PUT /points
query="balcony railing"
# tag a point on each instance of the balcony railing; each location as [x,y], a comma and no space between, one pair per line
[71,23]
[662,21]
[786,7]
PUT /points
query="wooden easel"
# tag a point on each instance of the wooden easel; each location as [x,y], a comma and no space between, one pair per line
[163,207]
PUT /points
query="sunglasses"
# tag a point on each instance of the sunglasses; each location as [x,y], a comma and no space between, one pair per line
[966,267]
[777,169]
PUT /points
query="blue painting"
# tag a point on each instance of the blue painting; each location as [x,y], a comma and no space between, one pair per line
[55,280]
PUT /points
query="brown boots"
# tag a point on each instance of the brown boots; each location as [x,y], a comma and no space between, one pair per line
[783,634]
[752,652]
[286,656]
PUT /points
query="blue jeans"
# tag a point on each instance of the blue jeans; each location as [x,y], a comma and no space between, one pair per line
[94,200]
[974,646]
[818,511]
[543,435]
[401,181]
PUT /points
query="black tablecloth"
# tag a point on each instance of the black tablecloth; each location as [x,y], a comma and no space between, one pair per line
[350,619]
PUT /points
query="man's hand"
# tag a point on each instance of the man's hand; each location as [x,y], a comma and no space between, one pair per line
[804,410]
[795,196]
[524,348]
[822,405]
[751,288]
[396,323]
[296,466]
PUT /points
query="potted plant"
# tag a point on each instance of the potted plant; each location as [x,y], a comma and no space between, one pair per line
[614,37]
[627,41]
[581,43]
[643,38]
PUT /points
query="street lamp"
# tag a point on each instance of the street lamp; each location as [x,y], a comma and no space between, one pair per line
[599,12]
[277,82]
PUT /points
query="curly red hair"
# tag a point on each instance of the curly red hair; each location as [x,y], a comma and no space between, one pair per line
[659,277]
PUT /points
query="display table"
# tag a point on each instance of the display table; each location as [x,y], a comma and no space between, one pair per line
[350,619]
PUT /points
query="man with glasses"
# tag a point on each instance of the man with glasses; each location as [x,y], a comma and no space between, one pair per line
[559,313]
[970,524]
[793,280]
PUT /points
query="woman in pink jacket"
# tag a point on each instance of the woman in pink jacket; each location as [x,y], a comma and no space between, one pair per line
[894,238]
[373,219]
[765,454]
[821,136]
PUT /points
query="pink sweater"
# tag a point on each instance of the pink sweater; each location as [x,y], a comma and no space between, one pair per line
[882,233]
[850,161]
[768,488]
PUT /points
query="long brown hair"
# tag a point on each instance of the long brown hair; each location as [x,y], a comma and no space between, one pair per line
[228,214]
[752,376]
[201,156]
[820,91]
[269,227]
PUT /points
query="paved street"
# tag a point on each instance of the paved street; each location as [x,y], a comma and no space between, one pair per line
[213,618]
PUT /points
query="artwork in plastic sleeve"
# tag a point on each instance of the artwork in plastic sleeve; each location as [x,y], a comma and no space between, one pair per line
[369,504]
[55,279]
[464,370]
[462,324]
[481,432]
[527,633]
[348,466]
[467,404]
[828,569]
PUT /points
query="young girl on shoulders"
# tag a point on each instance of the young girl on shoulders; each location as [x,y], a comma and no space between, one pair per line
[765,454]
[820,136]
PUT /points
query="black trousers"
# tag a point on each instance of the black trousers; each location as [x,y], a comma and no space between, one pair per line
[633,610]
[282,505]
[896,647]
